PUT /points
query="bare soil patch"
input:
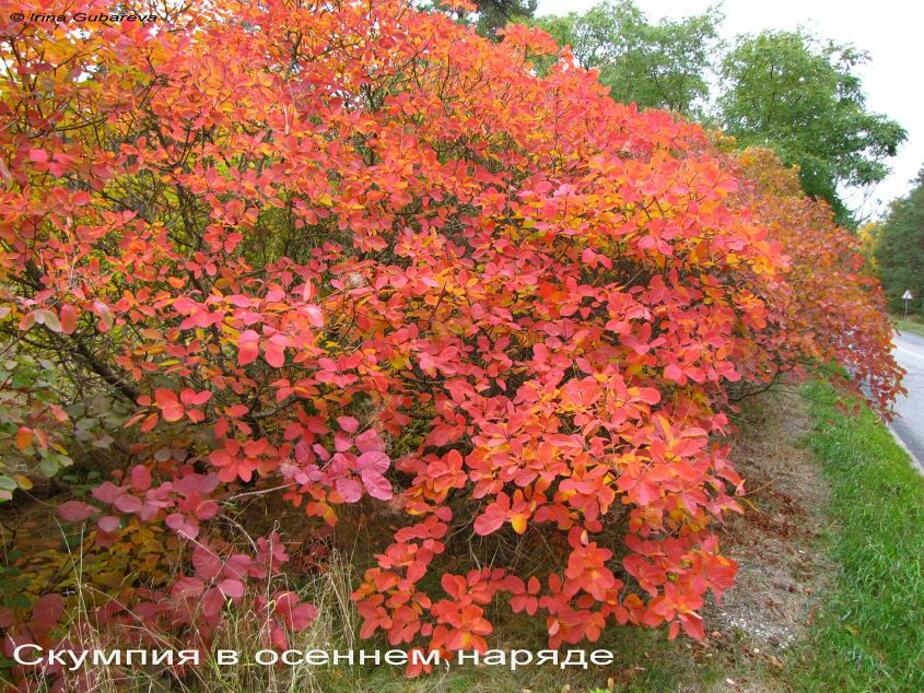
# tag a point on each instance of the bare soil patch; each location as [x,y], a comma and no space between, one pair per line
[777,542]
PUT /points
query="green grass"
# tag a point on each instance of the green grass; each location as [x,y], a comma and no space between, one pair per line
[912,323]
[870,634]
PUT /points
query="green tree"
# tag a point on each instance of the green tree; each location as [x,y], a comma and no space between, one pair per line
[656,65]
[804,99]
[490,15]
[900,246]
[495,14]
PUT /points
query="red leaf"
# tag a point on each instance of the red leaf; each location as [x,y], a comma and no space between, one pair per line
[27,321]
[232,588]
[24,437]
[140,478]
[213,602]
[47,612]
[195,399]
[350,489]
[206,563]
[376,484]
[368,441]
[236,410]
[108,523]
[296,615]
[107,492]
[248,347]
[206,510]
[68,319]
[170,407]
[488,522]
[348,424]
[315,316]
[274,352]
[178,523]
[7,617]
[673,372]
[105,322]
[75,511]
[374,460]
[127,503]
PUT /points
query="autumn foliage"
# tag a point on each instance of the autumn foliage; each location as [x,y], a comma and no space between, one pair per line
[354,254]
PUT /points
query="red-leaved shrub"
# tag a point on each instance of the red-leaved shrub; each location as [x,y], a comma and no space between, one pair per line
[353,251]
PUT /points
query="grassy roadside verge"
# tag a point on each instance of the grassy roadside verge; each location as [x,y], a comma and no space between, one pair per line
[914,325]
[870,634]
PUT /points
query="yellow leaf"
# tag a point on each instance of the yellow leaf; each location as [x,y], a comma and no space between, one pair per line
[519,523]
[110,579]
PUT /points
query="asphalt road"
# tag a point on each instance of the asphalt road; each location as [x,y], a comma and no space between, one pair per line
[909,423]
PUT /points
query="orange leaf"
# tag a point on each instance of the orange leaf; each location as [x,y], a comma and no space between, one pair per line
[23,438]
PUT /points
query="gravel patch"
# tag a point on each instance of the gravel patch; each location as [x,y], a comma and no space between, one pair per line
[782,566]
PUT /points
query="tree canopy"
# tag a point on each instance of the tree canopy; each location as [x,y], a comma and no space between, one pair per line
[900,247]
[495,14]
[803,98]
[488,17]
[655,65]
[800,96]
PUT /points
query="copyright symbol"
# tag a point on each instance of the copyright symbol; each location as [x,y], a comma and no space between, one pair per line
[17,16]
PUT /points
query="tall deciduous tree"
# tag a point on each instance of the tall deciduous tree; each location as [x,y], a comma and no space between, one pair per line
[805,100]
[900,248]
[656,65]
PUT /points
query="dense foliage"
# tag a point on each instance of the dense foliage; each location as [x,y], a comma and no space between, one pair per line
[899,248]
[493,15]
[363,257]
[655,65]
[799,95]
[804,99]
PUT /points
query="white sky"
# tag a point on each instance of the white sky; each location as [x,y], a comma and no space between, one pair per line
[891,31]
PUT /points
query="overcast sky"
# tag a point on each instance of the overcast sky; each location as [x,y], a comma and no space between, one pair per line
[891,31]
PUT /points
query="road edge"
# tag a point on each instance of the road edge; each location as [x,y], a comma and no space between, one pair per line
[915,462]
